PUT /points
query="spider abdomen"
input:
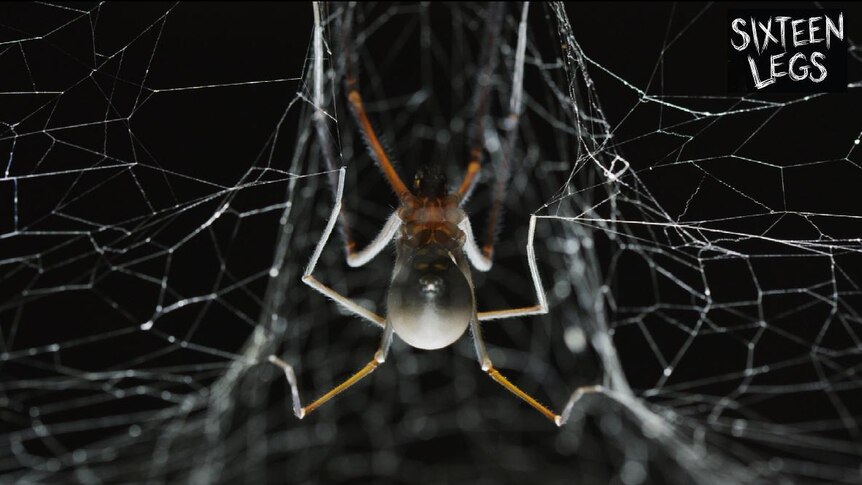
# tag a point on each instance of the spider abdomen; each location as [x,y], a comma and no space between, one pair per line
[430,302]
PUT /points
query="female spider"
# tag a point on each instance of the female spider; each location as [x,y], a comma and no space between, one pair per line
[430,302]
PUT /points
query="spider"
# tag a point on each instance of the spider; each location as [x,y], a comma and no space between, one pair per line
[430,302]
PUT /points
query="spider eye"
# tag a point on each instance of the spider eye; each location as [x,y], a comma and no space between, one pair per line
[430,181]
[430,302]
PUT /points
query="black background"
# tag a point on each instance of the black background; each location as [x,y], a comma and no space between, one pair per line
[218,135]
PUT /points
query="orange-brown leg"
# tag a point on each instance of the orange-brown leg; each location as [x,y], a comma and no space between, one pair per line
[351,85]
[488,59]
[301,411]
[488,366]
[504,169]
[326,141]
[501,379]
[370,136]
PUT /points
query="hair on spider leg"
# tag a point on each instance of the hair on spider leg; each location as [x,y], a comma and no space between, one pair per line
[382,142]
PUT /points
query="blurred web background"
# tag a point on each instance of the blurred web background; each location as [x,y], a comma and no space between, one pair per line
[163,189]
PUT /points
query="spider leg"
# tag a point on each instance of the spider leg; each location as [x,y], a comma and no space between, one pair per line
[359,258]
[368,253]
[302,411]
[354,258]
[482,259]
[371,138]
[321,124]
[482,99]
[576,396]
[504,170]
[542,306]
[488,367]
[474,254]
[351,83]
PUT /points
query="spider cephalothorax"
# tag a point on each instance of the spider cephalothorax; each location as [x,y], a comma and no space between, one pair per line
[432,222]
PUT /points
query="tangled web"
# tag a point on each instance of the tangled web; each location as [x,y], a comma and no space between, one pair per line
[163,188]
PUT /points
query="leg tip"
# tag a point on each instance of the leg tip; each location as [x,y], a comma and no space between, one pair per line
[558,420]
[300,413]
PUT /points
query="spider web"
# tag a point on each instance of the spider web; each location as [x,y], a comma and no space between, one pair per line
[164,188]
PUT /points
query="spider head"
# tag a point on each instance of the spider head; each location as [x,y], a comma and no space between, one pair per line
[430,301]
[430,182]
